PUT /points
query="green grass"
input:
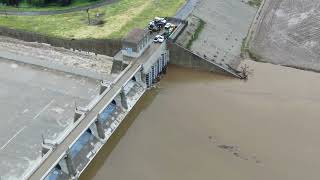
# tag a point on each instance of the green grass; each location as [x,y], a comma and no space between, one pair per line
[196,33]
[119,19]
[255,3]
[24,6]
[243,45]
[163,8]
[246,50]
[254,56]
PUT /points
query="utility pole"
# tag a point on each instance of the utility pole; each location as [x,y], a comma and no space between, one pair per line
[88,16]
[4,8]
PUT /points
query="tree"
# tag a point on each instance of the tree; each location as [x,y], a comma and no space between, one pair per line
[10,2]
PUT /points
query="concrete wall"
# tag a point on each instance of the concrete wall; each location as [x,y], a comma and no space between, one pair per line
[107,47]
[118,66]
[185,58]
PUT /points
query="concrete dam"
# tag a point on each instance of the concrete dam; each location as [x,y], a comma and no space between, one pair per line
[137,67]
[93,125]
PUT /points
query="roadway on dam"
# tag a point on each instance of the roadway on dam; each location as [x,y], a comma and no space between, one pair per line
[90,116]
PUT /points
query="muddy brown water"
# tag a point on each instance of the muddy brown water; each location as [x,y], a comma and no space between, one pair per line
[198,125]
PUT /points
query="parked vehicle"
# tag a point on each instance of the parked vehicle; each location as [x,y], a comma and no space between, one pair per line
[160,20]
[168,25]
[157,24]
[158,39]
[154,28]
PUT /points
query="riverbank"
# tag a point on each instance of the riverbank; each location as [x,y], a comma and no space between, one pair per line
[225,24]
[117,19]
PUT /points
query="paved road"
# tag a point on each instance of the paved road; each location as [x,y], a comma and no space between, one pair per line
[186,10]
[82,126]
[38,13]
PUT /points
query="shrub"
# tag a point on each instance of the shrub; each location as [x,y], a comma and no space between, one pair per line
[10,2]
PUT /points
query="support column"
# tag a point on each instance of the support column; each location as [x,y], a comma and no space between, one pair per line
[138,77]
[100,129]
[124,101]
[70,166]
[45,148]
[103,86]
[47,145]
[77,114]
[141,78]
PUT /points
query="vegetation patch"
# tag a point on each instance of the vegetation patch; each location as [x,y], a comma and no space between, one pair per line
[118,19]
[255,3]
[254,56]
[196,33]
[246,50]
[243,45]
[43,5]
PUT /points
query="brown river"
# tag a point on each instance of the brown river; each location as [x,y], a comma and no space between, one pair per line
[199,125]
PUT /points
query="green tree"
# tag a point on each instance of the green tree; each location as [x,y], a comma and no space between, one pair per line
[10,2]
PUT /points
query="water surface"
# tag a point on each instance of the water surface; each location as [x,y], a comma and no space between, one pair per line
[199,125]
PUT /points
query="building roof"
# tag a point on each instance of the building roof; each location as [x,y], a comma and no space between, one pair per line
[135,35]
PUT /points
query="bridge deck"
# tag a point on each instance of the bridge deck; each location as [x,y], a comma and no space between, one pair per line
[51,160]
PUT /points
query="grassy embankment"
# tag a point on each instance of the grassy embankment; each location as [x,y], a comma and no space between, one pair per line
[119,18]
[196,33]
[24,6]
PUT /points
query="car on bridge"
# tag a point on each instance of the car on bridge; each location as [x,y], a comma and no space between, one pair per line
[157,24]
[158,39]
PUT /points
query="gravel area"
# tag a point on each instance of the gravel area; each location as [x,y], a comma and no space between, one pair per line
[51,56]
[227,23]
[289,34]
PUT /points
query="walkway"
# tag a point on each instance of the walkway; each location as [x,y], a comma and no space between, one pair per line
[53,12]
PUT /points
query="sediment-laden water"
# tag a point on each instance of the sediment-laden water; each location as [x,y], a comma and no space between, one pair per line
[198,125]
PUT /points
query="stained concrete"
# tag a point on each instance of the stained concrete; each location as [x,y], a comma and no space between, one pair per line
[77,62]
[227,23]
[185,58]
[288,34]
[35,101]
